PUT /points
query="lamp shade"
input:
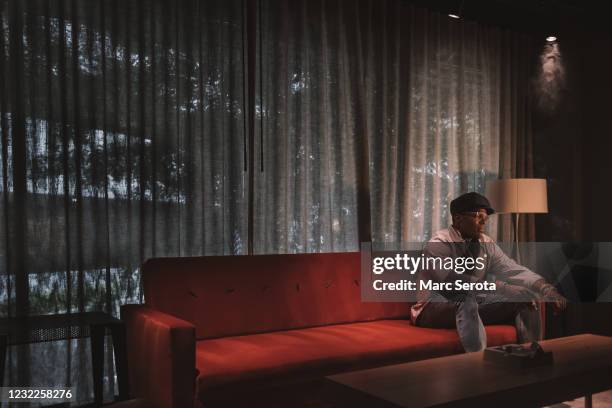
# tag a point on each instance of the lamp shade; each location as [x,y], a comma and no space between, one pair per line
[523,195]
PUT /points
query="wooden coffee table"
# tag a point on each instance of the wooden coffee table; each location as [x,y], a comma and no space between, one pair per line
[582,366]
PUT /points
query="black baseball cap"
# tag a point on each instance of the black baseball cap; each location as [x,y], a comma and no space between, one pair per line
[470,202]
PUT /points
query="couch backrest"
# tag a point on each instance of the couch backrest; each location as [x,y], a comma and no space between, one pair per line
[236,295]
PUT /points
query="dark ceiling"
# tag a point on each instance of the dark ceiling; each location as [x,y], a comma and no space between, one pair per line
[526,15]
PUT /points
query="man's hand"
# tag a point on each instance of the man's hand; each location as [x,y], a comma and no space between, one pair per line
[559,302]
[550,294]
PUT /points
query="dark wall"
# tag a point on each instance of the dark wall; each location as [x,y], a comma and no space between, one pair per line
[559,139]
[573,143]
[572,150]
[597,136]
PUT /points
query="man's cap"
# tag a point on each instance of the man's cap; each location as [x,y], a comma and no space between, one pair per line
[470,202]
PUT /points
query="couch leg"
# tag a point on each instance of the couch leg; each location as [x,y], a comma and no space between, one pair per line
[588,401]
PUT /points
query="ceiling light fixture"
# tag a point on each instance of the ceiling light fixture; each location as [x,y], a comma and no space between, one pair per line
[456,14]
[551,38]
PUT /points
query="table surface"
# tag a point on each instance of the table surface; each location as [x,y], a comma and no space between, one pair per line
[40,328]
[582,365]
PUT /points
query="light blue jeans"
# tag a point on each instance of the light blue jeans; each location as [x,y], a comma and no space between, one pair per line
[469,313]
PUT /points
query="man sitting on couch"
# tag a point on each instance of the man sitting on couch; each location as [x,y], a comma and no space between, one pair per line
[517,287]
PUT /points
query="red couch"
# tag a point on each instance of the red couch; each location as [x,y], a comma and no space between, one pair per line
[221,330]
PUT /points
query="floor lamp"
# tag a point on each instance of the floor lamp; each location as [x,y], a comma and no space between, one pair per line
[518,196]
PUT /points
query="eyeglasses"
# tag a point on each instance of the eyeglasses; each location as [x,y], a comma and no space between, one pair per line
[477,214]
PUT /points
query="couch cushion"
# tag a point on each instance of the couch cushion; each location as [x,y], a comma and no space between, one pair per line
[238,295]
[307,353]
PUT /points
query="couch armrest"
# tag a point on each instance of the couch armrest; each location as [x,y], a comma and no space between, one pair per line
[161,349]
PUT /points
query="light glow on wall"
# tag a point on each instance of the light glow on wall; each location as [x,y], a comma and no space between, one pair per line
[550,82]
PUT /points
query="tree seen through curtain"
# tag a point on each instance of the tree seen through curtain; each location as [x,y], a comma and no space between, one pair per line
[123,138]
[434,128]
[122,129]
[422,92]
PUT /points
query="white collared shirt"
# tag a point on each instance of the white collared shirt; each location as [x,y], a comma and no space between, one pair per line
[498,266]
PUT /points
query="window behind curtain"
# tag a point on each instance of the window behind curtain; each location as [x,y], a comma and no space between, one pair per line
[433,120]
[309,94]
[122,138]
[420,88]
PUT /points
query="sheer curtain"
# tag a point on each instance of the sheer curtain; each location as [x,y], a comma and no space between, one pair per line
[123,133]
[440,105]
[122,139]
[311,119]
[435,134]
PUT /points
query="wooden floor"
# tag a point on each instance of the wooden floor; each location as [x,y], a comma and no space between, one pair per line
[601,400]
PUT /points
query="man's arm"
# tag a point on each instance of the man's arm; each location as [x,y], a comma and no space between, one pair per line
[506,269]
[510,272]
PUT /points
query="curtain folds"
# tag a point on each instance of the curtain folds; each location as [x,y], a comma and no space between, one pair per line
[122,139]
[434,128]
[124,135]
[312,117]
[440,106]
[516,160]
